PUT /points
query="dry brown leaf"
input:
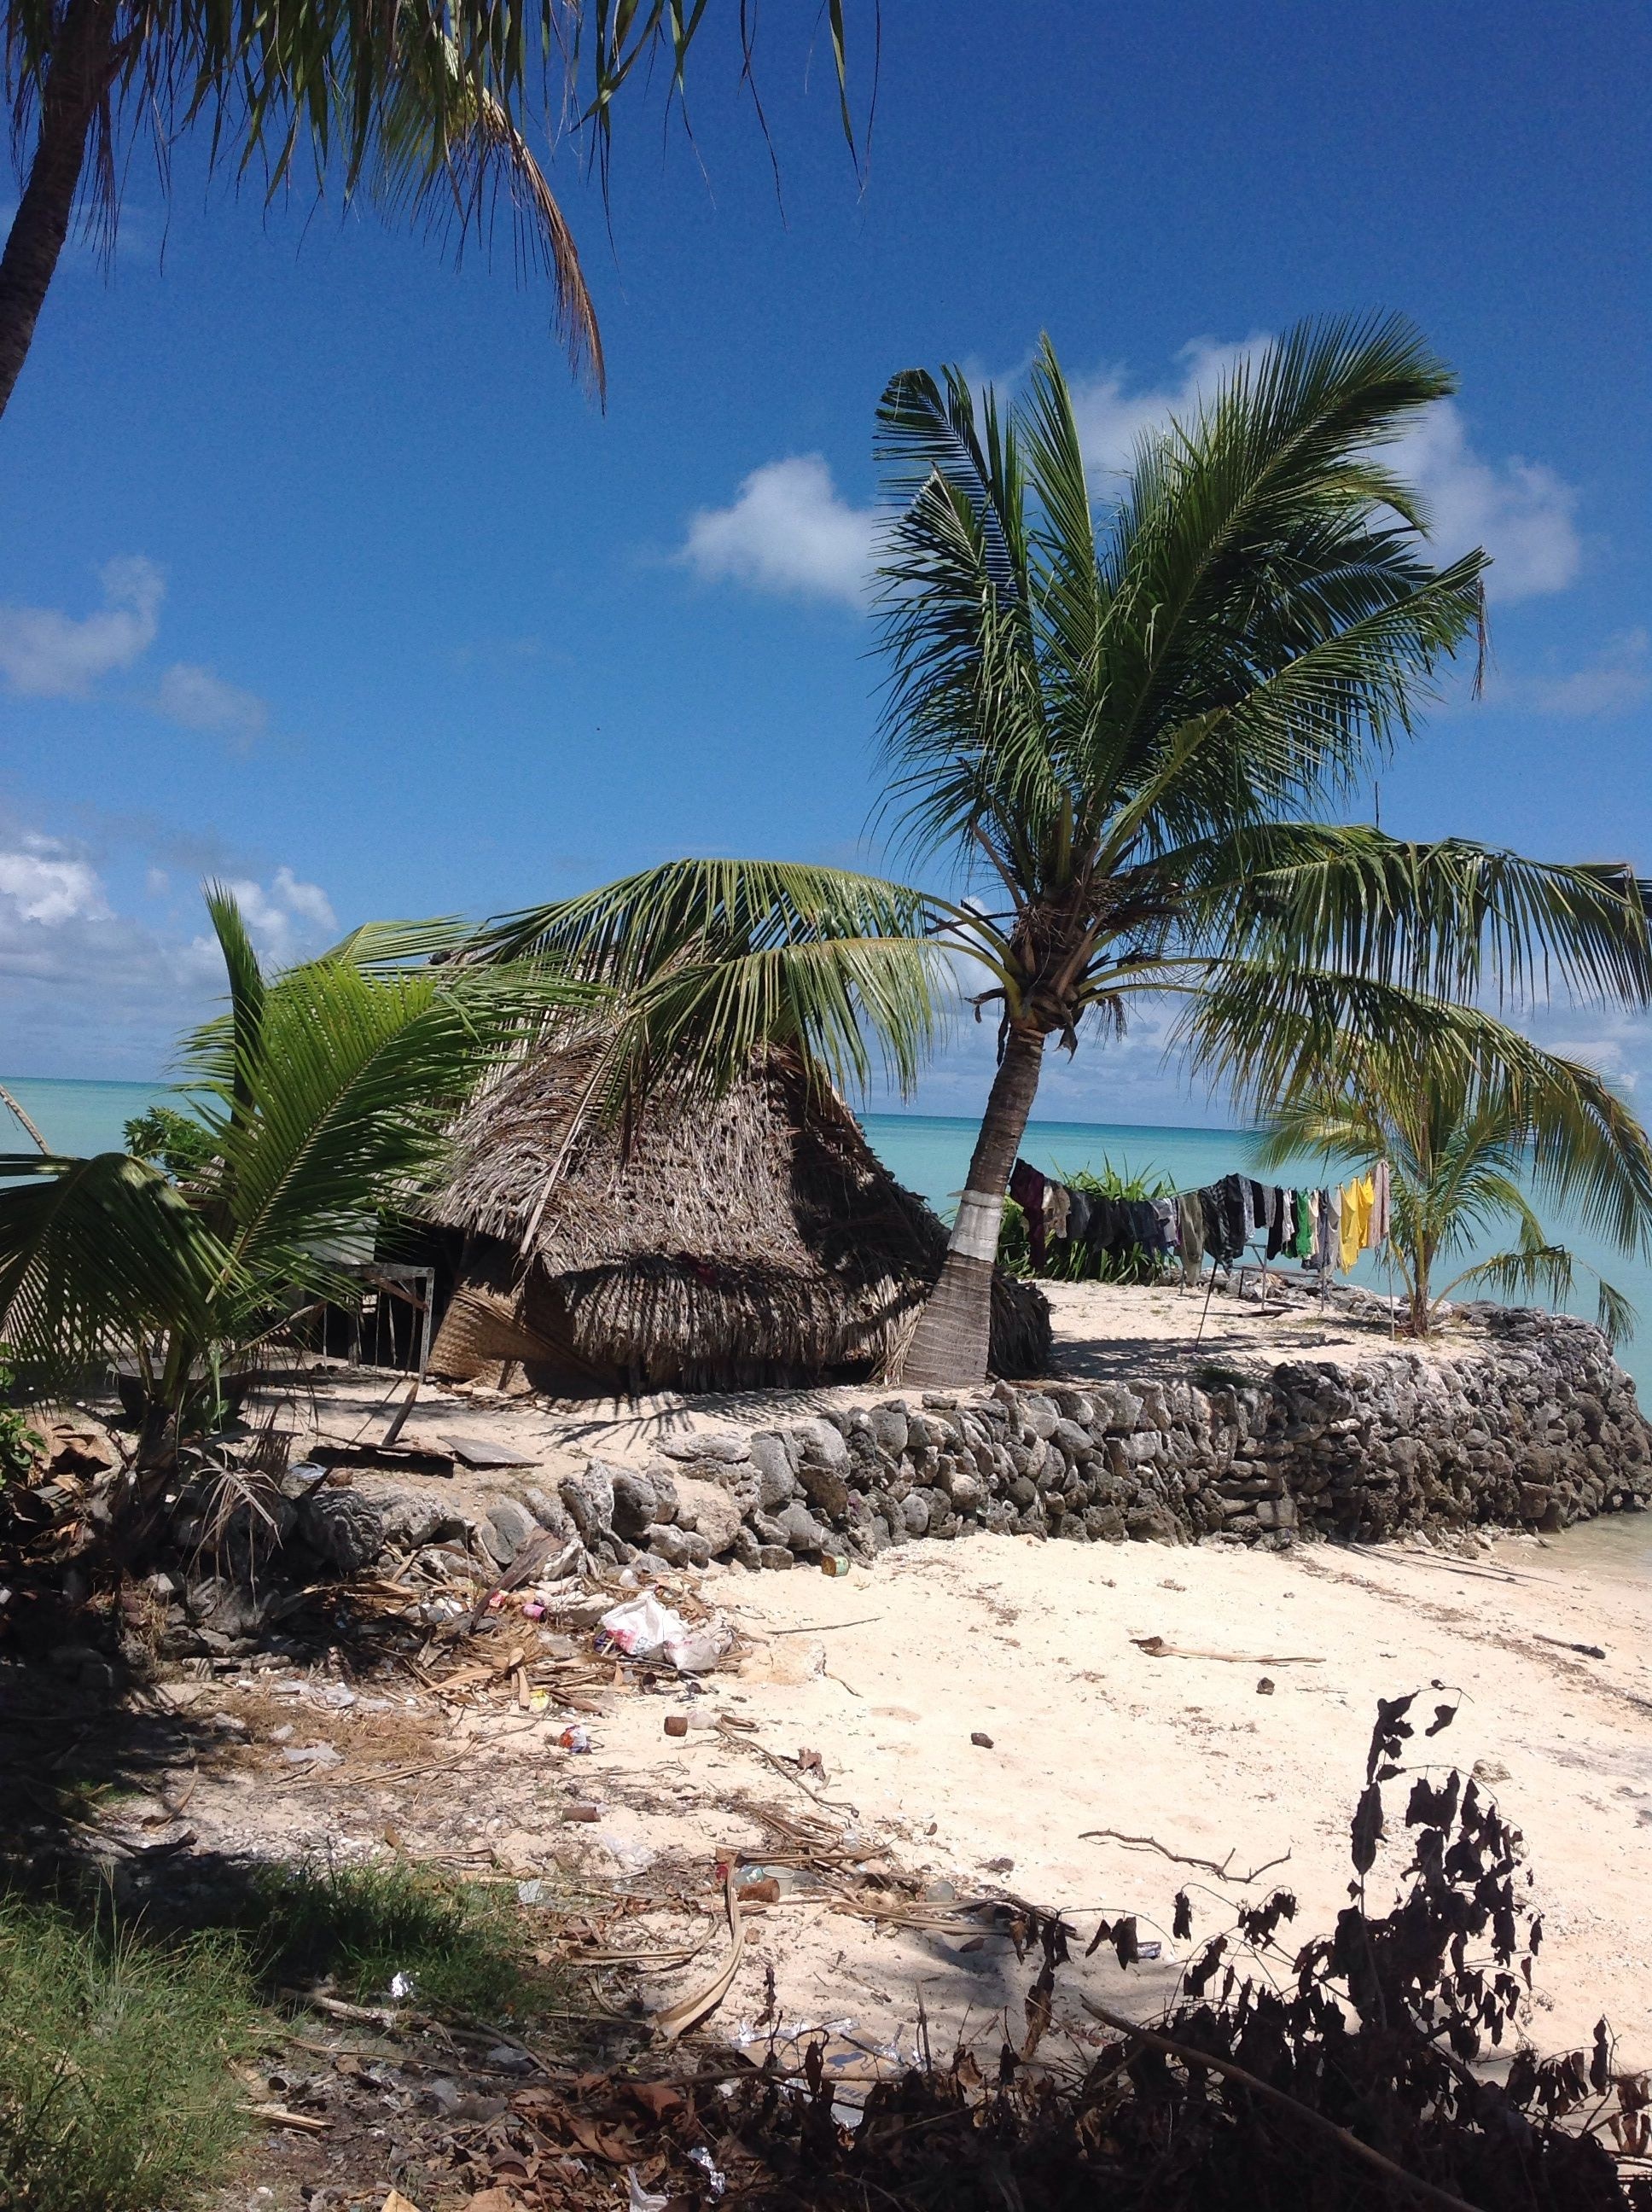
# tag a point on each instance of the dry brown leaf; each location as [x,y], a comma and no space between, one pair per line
[397,2202]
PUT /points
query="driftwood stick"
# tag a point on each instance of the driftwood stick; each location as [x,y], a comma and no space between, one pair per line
[1188,2056]
[1180,1858]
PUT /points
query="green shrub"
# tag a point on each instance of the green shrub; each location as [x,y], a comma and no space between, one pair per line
[20,1445]
[116,2088]
[1083,1263]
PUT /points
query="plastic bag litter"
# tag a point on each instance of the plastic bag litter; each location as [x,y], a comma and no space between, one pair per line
[629,1856]
[716,2180]
[403,1986]
[697,1650]
[642,1627]
[641,2199]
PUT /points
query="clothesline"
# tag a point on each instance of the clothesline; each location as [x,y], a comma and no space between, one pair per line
[1321,1228]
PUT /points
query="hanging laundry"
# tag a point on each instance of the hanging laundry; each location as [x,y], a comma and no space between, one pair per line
[1327,1229]
[1190,1221]
[1381,1202]
[1353,1221]
[1079,1203]
[1027,1188]
[1057,1203]
[1256,1196]
[1281,1221]
[1169,1228]
[1301,1246]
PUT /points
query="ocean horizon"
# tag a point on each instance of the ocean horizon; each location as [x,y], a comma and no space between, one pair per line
[927,1152]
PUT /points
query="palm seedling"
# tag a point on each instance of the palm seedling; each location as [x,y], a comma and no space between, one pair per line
[1476,1123]
[318,1105]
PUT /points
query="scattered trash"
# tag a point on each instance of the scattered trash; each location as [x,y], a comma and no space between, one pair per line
[629,1856]
[833,1563]
[1150,1949]
[979,1737]
[533,1892]
[1264,1688]
[576,1738]
[677,1723]
[641,2199]
[1000,1866]
[716,2179]
[403,1986]
[697,1650]
[810,1762]
[767,1892]
[1157,1648]
[314,1755]
[642,1627]
[582,1813]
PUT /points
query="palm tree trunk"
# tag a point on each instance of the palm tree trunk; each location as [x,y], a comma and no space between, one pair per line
[951,1342]
[82,65]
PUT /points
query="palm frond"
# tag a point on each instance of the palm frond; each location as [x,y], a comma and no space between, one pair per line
[97,1257]
[706,960]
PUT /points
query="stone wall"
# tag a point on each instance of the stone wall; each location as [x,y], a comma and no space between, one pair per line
[1535,1426]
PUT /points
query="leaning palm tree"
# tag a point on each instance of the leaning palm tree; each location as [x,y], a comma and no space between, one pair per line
[1123,732]
[434,110]
[1475,1123]
[317,1105]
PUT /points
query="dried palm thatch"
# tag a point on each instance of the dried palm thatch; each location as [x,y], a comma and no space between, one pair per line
[756,1240]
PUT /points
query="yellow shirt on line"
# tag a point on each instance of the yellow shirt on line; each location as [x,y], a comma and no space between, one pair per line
[1358,1201]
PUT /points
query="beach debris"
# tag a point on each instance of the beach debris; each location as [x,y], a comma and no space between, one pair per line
[689,2011]
[1583,1650]
[575,1738]
[582,1813]
[1182,1858]
[716,2179]
[1264,1688]
[483,1453]
[980,1739]
[638,2199]
[677,1724]
[834,1563]
[1157,1648]
[810,1762]
[642,1627]
[698,1650]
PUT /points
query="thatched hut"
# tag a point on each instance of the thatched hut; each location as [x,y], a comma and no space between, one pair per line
[752,1243]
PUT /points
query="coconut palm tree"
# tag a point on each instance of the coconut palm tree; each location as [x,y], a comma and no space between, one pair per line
[1121,731]
[1471,1138]
[1120,735]
[316,1106]
[434,109]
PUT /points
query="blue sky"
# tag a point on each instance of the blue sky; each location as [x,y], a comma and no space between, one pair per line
[317,571]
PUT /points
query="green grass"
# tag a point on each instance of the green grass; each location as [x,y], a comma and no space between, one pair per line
[116,2092]
[460,1943]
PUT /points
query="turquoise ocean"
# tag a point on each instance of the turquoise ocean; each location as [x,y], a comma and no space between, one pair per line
[929,1153]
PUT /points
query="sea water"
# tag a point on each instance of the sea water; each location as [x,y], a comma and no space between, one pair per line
[927,1152]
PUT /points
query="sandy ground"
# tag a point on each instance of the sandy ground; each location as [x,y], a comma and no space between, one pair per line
[889,1672]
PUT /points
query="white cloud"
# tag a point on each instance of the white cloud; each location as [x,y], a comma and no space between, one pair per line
[199,699]
[1522,511]
[85,989]
[41,882]
[786,532]
[45,655]
[1619,678]
[286,919]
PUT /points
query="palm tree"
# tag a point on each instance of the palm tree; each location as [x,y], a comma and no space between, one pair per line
[317,1105]
[1122,734]
[432,108]
[1124,730]
[1471,1127]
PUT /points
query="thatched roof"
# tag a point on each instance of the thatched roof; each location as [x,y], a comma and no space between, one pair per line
[755,1240]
